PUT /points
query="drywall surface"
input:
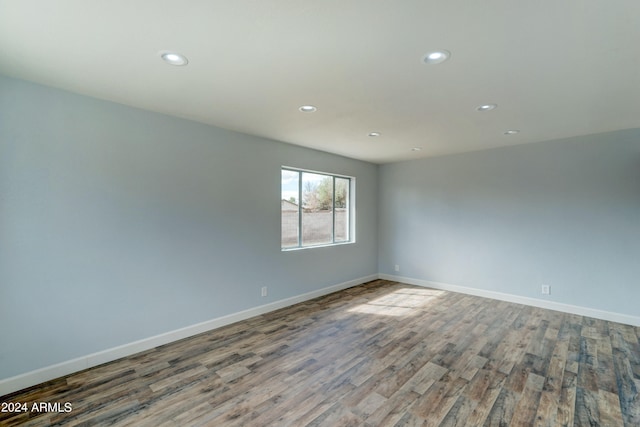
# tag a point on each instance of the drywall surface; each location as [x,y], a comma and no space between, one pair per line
[564,213]
[118,224]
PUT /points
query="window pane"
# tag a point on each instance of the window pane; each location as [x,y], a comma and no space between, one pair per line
[342,210]
[290,211]
[316,209]
[317,206]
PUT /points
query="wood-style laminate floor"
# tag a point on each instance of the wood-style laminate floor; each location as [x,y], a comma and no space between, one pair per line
[380,354]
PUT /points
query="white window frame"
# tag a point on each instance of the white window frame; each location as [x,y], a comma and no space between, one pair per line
[351,209]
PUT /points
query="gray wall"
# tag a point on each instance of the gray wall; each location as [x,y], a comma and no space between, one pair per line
[564,213]
[118,224]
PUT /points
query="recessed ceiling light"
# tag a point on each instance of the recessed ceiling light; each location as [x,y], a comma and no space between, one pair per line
[374,134]
[416,149]
[436,57]
[511,132]
[308,109]
[174,58]
[486,107]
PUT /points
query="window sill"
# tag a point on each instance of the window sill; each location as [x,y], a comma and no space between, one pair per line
[328,245]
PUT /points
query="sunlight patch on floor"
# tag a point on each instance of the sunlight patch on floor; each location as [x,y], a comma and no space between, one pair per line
[403,302]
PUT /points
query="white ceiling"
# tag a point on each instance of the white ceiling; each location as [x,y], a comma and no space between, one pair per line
[556,68]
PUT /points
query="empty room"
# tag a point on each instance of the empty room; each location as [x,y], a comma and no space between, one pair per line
[319,213]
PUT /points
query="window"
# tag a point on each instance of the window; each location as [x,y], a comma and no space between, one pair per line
[316,209]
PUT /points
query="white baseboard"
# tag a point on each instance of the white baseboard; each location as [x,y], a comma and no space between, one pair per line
[28,379]
[551,305]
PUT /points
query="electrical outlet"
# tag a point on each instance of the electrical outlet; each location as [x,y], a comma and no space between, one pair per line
[546,290]
[396,267]
[264,291]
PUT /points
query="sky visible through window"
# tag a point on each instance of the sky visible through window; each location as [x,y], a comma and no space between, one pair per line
[290,183]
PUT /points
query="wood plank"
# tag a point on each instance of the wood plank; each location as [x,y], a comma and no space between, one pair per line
[567,402]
